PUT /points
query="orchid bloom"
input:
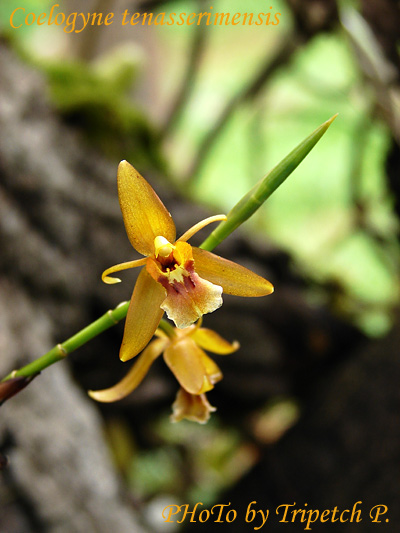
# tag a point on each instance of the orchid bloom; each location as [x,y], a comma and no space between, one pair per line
[184,354]
[182,280]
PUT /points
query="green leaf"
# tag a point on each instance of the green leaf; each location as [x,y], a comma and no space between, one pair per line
[249,204]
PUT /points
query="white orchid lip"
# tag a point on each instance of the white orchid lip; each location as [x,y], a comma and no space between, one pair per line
[188,296]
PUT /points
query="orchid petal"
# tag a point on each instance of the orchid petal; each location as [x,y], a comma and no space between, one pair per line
[213,371]
[135,375]
[145,216]
[192,407]
[233,278]
[186,362]
[200,225]
[144,315]
[209,340]
[117,268]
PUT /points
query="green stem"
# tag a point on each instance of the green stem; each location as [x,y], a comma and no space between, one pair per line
[254,199]
[167,328]
[60,351]
[241,212]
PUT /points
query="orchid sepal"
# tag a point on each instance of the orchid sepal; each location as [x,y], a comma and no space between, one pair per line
[233,278]
[145,216]
[134,377]
[144,315]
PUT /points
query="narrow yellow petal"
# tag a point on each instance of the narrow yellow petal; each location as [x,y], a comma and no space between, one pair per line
[200,225]
[213,371]
[135,375]
[144,315]
[208,384]
[233,278]
[209,340]
[117,268]
[145,216]
[185,360]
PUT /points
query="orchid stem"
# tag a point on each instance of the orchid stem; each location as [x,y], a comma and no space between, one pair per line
[60,351]
[254,199]
[241,212]
[167,328]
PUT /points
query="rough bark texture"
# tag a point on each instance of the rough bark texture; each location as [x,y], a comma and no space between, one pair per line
[60,477]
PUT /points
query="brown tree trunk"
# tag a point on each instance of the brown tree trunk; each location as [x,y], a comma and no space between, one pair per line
[60,477]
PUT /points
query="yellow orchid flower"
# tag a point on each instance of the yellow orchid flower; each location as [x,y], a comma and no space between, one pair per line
[184,354]
[185,281]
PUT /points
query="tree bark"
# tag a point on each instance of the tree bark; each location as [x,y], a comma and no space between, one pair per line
[60,477]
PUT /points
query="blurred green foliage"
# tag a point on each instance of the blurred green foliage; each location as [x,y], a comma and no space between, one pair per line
[96,98]
[315,215]
[196,462]
[26,35]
